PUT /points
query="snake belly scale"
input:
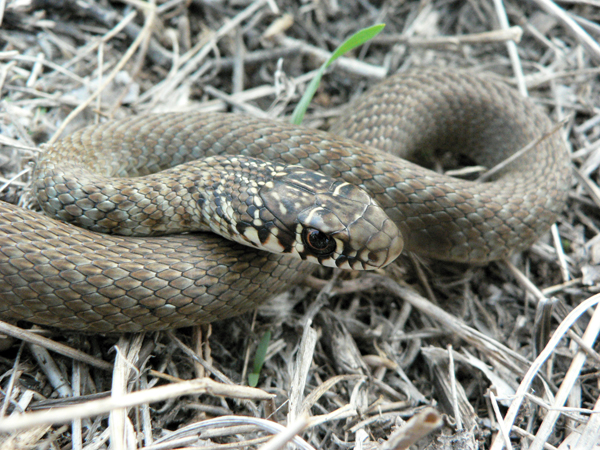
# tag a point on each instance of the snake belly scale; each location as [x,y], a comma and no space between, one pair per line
[58,274]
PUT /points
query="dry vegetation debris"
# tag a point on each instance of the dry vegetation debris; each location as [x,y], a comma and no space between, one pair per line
[504,350]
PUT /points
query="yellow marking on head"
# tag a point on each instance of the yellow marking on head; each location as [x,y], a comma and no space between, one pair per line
[345,265]
[337,189]
[310,215]
[230,211]
[307,186]
[299,229]
[273,244]
[252,235]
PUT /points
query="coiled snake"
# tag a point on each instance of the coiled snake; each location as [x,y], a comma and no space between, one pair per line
[55,273]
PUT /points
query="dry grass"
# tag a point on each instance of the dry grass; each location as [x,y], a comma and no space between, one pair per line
[503,350]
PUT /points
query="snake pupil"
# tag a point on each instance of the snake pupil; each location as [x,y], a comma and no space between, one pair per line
[320,243]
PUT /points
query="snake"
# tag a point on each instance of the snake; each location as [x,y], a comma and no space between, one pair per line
[167,220]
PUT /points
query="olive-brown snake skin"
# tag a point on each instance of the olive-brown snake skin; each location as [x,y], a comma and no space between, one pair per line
[57,274]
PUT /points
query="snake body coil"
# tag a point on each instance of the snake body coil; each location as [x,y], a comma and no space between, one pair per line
[57,274]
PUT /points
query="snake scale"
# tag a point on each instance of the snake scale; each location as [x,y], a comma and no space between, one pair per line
[55,273]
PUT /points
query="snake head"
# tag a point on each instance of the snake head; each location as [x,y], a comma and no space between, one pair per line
[327,221]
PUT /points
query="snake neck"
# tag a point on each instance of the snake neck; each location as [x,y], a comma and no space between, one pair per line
[281,209]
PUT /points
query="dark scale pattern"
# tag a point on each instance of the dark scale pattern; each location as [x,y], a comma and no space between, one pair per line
[56,274]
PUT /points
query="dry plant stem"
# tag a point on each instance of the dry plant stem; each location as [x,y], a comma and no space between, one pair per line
[560,253]
[305,354]
[65,350]
[503,431]
[188,351]
[62,349]
[422,277]
[449,391]
[103,406]
[51,370]
[589,337]
[489,346]
[201,50]
[301,367]
[127,351]
[312,398]
[45,62]
[134,72]
[525,282]
[238,64]
[591,433]
[149,20]
[36,70]
[573,414]
[2,7]
[281,439]
[100,64]
[590,187]
[214,428]
[255,57]
[246,96]
[586,40]
[76,429]
[452,376]
[345,412]
[108,16]
[18,145]
[419,426]
[232,422]
[100,41]
[146,417]
[537,79]
[343,63]
[197,341]
[180,444]
[584,347]
[11,382]
[541,359]
[13,179]
[175,443]
[511,47]
[510,34]
[527,434]
[230,99]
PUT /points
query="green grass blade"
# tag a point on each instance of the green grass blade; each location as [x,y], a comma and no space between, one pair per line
[358,38]
[259,359]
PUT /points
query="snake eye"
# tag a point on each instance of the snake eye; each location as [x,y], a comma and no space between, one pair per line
[318,242]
